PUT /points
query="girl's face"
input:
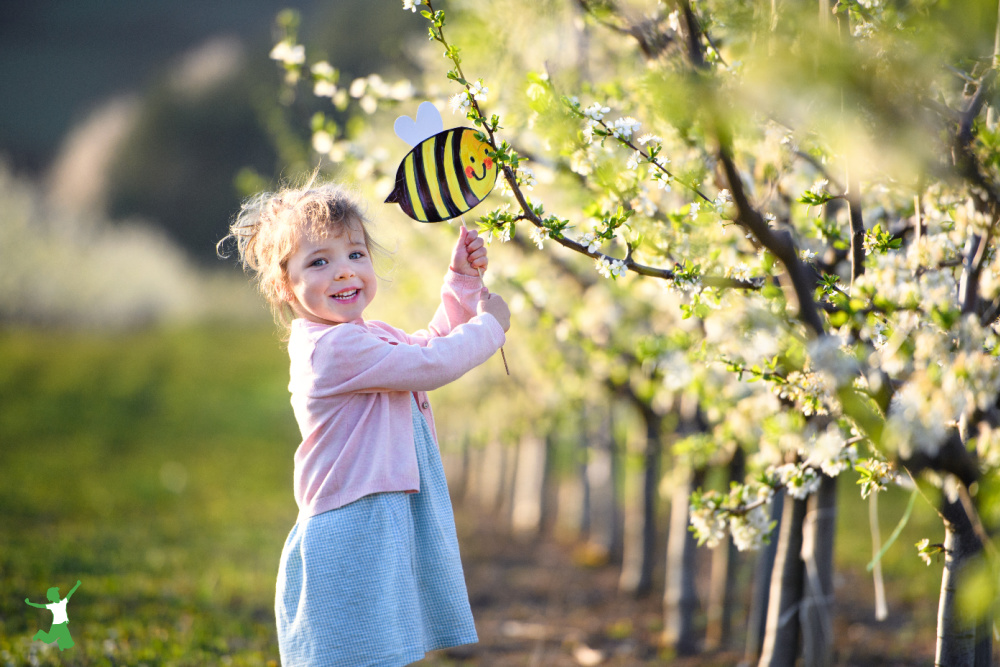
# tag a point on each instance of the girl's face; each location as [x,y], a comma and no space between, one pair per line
[331,280]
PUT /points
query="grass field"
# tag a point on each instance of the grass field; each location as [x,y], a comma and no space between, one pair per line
[155,467]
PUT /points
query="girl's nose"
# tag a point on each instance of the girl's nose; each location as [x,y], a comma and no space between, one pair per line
[344,270]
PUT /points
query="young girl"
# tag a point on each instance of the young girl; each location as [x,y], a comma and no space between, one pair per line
[370,573]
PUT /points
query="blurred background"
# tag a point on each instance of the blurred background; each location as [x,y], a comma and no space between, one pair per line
[134,129]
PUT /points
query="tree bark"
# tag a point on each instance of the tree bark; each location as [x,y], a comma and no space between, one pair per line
[757,617]
[680,598]
[819,528]
[640,558]
[721,590]
[550,490]
[781,638]
[605,515]
[529,485]
[956,633]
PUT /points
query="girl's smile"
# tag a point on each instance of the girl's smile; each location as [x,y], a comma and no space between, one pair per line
[331,280]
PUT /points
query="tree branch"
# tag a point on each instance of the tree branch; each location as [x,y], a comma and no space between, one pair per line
[779,244]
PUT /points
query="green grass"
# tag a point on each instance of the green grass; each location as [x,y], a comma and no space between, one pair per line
[156,468]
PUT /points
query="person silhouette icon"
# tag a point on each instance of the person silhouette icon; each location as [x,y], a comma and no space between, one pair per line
[59,632]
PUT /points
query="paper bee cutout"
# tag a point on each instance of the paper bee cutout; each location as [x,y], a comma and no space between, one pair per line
[446,173]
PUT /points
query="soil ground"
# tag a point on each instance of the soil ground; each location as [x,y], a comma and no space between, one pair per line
[537,604]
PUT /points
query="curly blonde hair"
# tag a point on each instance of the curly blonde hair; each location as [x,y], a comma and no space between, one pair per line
[269,225]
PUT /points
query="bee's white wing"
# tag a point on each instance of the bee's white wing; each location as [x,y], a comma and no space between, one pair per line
[427,124]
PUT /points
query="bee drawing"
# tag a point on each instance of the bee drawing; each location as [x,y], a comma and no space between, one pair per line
[447,172]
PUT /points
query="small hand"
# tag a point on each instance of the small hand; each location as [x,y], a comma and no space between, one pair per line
[495,306]
[469,257]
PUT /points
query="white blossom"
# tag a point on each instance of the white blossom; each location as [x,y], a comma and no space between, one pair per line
[358,87]
[634,160]
[324,88]
[800,481]
[830,453]
[648,138]
[412,4]
[502,234]
[460,102]
[819,187]
[708,526]
[740,271]
[923,551]
[592,242]
[662,180]
[538,235]
[919,415]
[750,529]
[526,177]
[623,128]
[322,142]
[478,91]
[401,90]
[288,53]
[596,111]
[322,69]
[610,268]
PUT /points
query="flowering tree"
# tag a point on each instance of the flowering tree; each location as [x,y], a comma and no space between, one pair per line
[809,194]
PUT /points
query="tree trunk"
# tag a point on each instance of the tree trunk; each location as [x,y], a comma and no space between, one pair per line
[491,478]
[529,484]
[956,633]
[757,617]
[512,453]
[680,598]
[550,490]
[640,547]
[586,450]
[721,592]
[781,638]
[818,530]
[605,515]
[473,474]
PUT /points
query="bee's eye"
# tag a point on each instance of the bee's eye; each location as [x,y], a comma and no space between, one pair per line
[472,158]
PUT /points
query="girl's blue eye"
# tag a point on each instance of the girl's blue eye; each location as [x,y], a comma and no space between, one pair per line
[356,255]
[318,262]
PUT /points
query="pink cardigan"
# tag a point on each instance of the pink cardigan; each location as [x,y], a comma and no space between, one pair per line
[351,385]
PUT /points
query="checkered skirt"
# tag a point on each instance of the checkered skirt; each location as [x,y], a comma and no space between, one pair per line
[377,582]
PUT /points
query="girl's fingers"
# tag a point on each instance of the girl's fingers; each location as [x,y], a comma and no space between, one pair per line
[474,244]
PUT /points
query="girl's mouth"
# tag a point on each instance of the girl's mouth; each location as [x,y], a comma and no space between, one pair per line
[346,296]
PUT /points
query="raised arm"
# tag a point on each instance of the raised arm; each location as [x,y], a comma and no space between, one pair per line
[462,284]
[351,358]
[73,590]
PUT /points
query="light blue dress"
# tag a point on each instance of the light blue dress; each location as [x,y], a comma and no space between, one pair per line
[377,582]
